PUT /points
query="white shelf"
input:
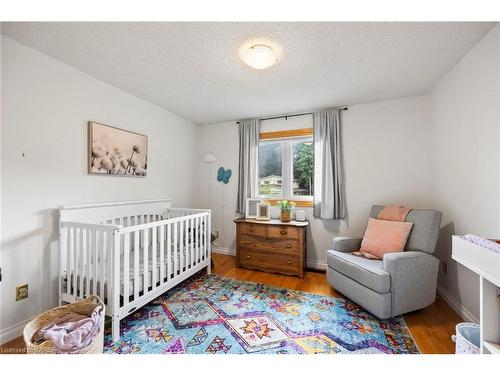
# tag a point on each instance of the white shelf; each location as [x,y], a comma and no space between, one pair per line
[483,261]
[486,263]
[492,347]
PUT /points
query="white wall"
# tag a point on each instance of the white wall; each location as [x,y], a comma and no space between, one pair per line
[386,150]
[466,160]
[46,106]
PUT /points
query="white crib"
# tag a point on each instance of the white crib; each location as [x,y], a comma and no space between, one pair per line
[129,253]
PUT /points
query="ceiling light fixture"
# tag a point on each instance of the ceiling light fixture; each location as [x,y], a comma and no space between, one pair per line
[259,56]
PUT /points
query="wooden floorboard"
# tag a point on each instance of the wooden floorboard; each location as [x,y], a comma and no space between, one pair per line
[431,327]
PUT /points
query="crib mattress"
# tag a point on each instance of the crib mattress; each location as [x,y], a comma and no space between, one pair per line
[150,271]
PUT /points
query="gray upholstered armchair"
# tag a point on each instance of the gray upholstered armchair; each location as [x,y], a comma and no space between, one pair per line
[401,282]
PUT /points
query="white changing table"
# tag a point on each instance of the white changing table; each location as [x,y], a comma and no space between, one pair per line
[486,263]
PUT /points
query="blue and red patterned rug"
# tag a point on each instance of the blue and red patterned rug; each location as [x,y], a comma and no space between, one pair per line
[216,315]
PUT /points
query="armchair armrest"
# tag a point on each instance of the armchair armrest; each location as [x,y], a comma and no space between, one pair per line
[346,244]
[413,279]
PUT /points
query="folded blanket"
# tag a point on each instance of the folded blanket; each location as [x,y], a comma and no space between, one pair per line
[73,332]
[488,244]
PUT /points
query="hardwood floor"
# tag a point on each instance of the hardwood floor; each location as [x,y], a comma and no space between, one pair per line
[431,327]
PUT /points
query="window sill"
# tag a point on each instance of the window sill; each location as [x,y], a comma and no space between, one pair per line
[298,203]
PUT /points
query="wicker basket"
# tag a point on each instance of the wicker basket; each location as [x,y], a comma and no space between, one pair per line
[83,307]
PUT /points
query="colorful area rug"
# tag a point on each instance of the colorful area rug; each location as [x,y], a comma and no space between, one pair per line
[215,315]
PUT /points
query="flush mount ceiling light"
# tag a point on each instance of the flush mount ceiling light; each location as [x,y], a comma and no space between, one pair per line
[259,56]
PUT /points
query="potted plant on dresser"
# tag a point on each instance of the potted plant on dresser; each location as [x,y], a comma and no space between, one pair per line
[286,209]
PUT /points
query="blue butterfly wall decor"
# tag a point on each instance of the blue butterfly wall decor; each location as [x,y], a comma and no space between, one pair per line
[223,175]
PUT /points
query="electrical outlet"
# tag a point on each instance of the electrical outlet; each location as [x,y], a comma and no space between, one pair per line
[21,292]
[445,268]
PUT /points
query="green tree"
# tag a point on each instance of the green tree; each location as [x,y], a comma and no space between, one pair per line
[304,164]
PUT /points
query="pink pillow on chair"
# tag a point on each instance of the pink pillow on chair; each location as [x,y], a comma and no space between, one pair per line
[383,237]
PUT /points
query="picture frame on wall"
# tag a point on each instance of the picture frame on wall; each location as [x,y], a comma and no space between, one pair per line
[252,207]
[116,152]
[263,212]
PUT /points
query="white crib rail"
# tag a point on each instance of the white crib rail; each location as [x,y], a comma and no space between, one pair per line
[131,260]
[83,246]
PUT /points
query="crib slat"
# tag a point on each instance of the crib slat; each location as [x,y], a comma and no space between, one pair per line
[186,245]
[69,260]
[75,263]
[197,240]
[145,244]
[88,273]
[181,247]
[126,267]
[209,238]
[175,245]
[162,256]
[154,232]
[136,265]
[114,286]
[205,238]
[109,266]
[185,236]
[200,232]
[63,233]
[169,251]
[85,276]
[191,240]
[95,262]
[102,265]
[199,235]
[202,238]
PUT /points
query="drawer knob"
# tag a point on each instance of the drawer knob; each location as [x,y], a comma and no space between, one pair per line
[247,241]
[288,262]
[251,229]
[288,246]
[283,231]
[247,256]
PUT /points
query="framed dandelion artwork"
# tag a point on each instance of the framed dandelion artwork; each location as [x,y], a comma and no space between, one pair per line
[116,152]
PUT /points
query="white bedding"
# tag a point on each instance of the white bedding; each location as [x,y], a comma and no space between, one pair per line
[150,270]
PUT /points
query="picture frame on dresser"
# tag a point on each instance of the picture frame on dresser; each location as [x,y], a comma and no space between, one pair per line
[252,208]
[263,212]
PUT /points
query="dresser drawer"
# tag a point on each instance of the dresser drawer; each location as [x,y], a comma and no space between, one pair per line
[252,229]
[283,246]
[283,231]
[270,262]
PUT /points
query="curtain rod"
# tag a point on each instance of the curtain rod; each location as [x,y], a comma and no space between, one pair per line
[294,115]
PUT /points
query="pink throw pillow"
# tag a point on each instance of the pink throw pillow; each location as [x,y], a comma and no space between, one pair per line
[383,237]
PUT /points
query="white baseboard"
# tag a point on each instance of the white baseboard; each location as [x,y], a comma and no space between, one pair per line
[12,332]
[455,305]
[319,265]
[224,250]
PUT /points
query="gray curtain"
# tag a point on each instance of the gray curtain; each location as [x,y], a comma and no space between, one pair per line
[329,200]
[249,131]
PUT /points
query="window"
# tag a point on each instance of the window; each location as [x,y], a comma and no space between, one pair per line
[286,168]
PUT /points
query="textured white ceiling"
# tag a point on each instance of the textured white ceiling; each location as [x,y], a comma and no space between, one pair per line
[193,69]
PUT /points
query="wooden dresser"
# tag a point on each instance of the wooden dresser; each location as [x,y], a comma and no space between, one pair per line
[271,246]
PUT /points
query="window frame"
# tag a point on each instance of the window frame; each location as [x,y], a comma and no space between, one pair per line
[288,137]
